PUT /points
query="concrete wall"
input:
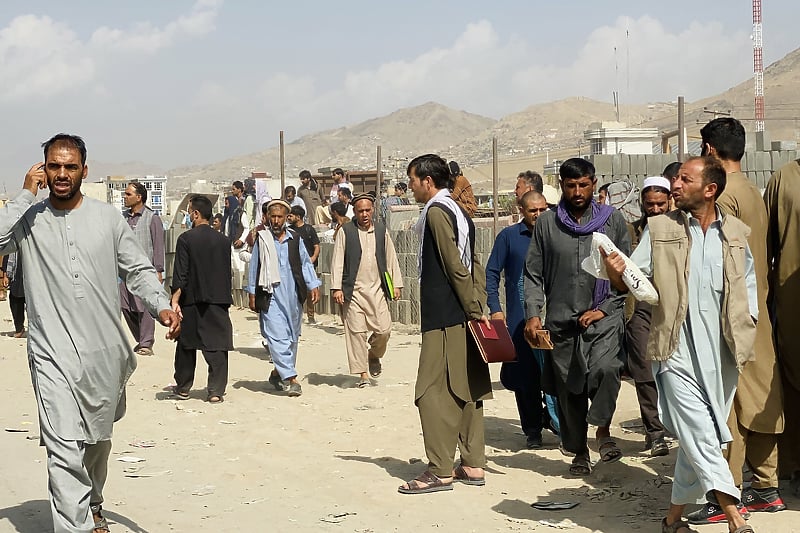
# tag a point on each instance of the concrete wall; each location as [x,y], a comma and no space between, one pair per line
[758,166]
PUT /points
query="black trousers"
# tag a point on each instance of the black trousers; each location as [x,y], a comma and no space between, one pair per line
[640,369]
[575,413]
[17,305]
[185,362]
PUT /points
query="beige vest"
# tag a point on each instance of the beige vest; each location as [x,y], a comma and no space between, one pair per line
[670,242]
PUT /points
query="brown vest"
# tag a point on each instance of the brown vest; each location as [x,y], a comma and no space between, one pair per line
[670,244]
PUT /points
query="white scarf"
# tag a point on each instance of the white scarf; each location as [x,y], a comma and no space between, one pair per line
[269,273]
[443,197]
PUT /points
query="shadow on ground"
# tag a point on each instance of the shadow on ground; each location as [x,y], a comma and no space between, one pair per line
[628,495]
[262,387]
[397,468]
[342,381]
[34,516]
[258,352]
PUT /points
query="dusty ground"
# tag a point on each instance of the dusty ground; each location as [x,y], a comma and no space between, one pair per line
[330,460]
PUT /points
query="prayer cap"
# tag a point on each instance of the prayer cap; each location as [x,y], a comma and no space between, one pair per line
[362,196]
[279,202]
[657,181]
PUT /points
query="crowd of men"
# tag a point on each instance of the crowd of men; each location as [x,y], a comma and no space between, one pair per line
[713,363]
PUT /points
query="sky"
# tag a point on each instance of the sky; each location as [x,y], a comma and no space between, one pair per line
[183,82]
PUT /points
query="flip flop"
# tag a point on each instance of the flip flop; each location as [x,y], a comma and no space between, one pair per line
[432,484]
[609,451]
[460,475]
[215,399]
[363,383]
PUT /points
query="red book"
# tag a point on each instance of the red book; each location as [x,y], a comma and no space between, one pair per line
[494,345]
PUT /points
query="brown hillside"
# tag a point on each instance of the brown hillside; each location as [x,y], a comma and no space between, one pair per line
[551,129]
[413,130]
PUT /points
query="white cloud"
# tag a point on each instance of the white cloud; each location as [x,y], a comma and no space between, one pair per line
[484,73]
[41,58]
[144,37]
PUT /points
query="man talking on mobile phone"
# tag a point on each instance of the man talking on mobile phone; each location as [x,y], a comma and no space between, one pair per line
[73,249]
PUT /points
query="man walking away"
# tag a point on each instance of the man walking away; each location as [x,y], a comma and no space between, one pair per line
[201,293]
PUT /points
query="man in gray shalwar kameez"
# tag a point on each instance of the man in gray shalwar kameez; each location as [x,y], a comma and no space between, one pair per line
[704,273]
[73,248]
[584,315]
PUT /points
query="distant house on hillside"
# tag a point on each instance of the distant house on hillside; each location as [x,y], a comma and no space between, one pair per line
[616,138]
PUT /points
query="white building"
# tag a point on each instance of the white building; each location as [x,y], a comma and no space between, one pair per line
[615,138]
[156,191]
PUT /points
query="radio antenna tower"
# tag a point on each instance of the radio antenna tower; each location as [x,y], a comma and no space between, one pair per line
[758,65]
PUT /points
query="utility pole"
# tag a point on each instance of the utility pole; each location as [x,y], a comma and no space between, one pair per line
[379,177]
[681,130]
[495,181]
[283,171]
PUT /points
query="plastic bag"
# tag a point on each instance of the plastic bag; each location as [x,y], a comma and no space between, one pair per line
[634,278]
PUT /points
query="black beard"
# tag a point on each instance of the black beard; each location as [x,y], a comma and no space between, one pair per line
[64,197]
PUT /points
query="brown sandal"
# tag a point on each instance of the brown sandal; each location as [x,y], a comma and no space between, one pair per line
[460,475]
[431,484]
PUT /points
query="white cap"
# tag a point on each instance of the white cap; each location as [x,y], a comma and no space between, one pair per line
[657,181]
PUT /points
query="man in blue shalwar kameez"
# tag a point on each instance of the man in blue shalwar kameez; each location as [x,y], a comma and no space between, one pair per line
[281,277]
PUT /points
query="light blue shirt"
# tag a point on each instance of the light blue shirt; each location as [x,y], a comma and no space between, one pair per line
[284,309]
[702,355]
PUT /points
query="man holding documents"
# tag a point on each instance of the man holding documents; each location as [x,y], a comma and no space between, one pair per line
[452,379]
[584,314]
[702,335]
[508,257]
[365,274]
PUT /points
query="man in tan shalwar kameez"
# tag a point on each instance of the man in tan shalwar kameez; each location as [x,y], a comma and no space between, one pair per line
[452,379]
[756,417]
[783,252]
[362,256]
